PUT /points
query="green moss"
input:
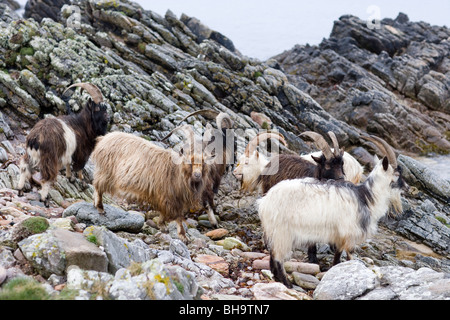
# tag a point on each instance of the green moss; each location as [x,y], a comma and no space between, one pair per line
[36,224]
[257,74]
[443,221]
[26,51]
[431,148]
[93,239]
[23,289]
[179,286]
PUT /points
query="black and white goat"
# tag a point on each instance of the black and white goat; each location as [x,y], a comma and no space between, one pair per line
[54,143]
[302,211]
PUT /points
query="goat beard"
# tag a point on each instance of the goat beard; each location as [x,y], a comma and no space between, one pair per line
[196,185]
[395,206]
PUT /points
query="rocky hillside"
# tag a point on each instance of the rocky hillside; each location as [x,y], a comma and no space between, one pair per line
[153,70]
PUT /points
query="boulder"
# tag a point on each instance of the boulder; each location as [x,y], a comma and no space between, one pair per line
[54,251]
[115,219]
[353,280]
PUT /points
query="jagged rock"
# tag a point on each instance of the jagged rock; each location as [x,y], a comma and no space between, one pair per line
[114,219]
[149,280]
[384,283]
[418,174]
[55,250]
[40,9]
[120,252]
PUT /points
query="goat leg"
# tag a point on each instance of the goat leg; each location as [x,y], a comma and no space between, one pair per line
[211,215]
[277,269]
[337,256]
[98,201]
[312,254]
[43,194]
[181,231]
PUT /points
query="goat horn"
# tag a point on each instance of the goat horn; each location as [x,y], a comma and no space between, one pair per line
[205,112]
[223,120]
[335,143]
[320,142]
[92,89]
[186,128]
[251,147]
[384,147]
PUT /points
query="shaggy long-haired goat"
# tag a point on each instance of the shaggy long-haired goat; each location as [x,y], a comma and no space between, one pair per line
[219,145]
[132,167]
[303,211]
[325,164]
[329,164]
[251,163]
[58,142]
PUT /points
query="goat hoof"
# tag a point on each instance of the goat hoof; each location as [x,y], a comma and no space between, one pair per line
[84,185]
[21,193]
[72,179]
[47,202]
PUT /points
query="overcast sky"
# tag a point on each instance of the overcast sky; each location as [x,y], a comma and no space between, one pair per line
[264,28]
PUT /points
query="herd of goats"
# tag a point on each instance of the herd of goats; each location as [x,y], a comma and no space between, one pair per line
[322,197]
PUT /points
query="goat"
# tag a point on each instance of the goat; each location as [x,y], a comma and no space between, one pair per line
[302,211]
[58,142]
[220,145]
[139,170]
[328,165]
[251,163]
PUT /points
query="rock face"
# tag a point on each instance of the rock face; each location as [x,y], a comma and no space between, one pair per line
[392,81]
[154,70]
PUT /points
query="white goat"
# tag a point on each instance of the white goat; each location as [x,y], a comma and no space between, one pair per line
[303,211]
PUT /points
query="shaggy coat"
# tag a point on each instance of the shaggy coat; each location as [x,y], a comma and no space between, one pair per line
[303,211]
[54,143]
[138,170]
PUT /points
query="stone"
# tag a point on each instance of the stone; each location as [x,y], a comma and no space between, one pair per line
[215,262]
[276,291]
[302,267]
[114,219]
[306,281]
[336,284]
[53,251]
[217,234]
[381,283]
[230,243]
[120,252]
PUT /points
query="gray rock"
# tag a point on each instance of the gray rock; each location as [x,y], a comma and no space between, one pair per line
[120,252]
[53,251]
[353,280]
[418,174]
[114,219]
[306,281]
[346,281]
[149,280]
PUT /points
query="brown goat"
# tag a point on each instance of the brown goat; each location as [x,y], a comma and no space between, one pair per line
[220,143]
[136,169]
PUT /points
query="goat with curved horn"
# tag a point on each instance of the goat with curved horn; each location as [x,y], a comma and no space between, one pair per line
[66,141]
[384,147]
[260,137]
[320,142]
[92,89]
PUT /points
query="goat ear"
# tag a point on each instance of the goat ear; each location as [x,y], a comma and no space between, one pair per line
[385,163]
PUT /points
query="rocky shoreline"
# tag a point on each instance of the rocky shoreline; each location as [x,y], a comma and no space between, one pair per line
[153,70]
